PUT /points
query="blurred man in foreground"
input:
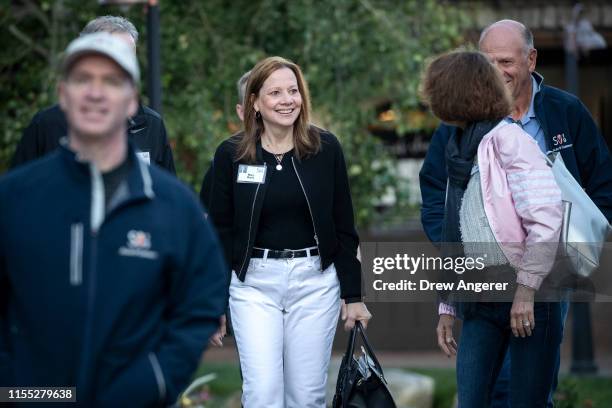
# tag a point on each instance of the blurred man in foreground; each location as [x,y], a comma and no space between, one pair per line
[111,280]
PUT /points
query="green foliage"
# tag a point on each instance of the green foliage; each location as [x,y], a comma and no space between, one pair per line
[572,392]
[32,36]
[584,392]
[445,388]
[228,379]
[354,53]
[567,394]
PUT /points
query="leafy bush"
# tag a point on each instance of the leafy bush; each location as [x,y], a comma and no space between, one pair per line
[354,53]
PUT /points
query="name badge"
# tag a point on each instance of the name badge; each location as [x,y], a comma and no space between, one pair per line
[145,156]
[251,174]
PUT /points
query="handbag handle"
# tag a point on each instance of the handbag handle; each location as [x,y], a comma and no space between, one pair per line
[351,346]
[368,348]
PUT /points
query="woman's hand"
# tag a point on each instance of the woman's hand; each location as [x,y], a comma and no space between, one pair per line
[446,341]
[353,312]
[522,320]
[217,338]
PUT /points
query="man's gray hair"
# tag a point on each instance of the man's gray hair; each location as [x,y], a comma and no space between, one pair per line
[111,24]
[241,86]
[525,33]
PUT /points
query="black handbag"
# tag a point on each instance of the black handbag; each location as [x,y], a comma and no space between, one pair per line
[361,382]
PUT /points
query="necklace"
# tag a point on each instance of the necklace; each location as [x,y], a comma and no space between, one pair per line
[279,159]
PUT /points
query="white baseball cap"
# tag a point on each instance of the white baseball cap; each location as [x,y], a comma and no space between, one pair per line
[105,44]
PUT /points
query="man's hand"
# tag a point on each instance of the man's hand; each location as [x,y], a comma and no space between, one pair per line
[353,312]
[446,341]
[217,338]
[522,320]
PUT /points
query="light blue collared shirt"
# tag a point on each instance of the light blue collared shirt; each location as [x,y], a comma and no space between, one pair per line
[529,122]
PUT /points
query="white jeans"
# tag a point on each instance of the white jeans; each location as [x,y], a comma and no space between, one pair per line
[284,317]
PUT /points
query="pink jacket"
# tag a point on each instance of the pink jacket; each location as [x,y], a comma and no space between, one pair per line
[521,200]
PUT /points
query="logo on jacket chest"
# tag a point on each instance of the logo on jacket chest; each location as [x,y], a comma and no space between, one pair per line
[559,142]
[138,245]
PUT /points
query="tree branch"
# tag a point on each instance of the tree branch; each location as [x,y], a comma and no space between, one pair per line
[38,13]
[386,22]
[23,37]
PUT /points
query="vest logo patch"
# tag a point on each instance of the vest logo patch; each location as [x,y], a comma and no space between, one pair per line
[559,139]
[559,142]
[138,245]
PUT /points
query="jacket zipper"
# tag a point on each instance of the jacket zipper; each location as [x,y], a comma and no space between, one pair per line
[159,376]
[76,254]
[246,253]
[97,199]
[314,228]
[446,194]
[96,220]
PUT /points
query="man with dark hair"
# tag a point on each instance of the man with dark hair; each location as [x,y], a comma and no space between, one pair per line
[111,280]
[146,127]
[557,121]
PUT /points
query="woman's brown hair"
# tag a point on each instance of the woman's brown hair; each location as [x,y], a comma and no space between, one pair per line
[306,139]
[464,87]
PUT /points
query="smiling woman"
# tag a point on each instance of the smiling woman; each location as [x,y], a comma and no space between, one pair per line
[282,206]
[277,111]
[279,102]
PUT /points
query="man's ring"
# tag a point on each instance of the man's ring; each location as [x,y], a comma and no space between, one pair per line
[526,323]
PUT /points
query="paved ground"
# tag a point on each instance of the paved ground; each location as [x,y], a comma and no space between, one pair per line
[420,359]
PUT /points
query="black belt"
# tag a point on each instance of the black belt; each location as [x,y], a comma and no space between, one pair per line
[283,253]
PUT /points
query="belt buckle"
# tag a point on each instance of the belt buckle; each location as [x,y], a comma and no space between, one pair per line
[288,253]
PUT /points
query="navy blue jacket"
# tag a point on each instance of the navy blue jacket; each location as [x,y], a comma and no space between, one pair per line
[568,127]
[119,305]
